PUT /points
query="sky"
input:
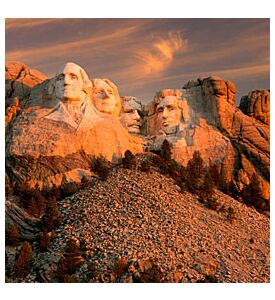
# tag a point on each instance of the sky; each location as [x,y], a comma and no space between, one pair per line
[143,56]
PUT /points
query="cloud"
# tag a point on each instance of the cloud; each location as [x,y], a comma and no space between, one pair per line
[64,48]
[19,23]
[160,55]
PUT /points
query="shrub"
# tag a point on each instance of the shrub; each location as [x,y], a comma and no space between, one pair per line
[100,166]
[129,160]
[145,166]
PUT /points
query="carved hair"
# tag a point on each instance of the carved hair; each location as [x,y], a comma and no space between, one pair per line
[125,99]
[181,102]
[116,94]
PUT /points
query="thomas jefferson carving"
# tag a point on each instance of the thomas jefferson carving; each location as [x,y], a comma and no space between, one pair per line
[105,97]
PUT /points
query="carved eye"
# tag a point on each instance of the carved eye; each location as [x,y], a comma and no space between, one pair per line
[160,109]
[74,77]
[110,92]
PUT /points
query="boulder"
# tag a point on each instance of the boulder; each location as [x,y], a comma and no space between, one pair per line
[257,105]
[19,80]
[28,226]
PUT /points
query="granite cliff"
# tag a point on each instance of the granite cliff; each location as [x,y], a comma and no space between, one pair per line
[203,116]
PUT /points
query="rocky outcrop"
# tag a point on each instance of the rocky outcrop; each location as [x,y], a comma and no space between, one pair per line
[19,80]
[28,226]
[257,105]
[249,139]
[201,116]
[44,141]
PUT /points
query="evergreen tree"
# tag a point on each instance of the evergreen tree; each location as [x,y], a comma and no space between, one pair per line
[215,174]
[71,260]
[195,166]
[208,185]
[12,234]
[251,194]
[44,241]
[52,217]
[166,152]
[194,172]
[24,258]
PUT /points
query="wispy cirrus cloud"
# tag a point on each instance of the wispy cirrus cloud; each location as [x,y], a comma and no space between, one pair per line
[78,46]
[161,54]
[19,23]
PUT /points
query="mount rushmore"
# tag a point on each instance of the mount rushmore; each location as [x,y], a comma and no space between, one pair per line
[54,124]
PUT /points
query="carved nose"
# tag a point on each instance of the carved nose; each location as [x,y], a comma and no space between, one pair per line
[105,95]
[136,116]
[67,80]
[165,113]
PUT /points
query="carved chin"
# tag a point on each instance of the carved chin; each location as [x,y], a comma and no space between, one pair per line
[71,96]
[134,129]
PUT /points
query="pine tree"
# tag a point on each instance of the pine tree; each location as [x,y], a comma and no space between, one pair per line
[24,258]
[52,217]
[71,260]
[251,194]
[44,241]
[166,152]
[12,234]
[194,172]
[215,174]
[195,165]
[208,185]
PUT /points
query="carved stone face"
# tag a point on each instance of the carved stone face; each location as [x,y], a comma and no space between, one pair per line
[168,112]
[130,117]
[104,97]
[69,84]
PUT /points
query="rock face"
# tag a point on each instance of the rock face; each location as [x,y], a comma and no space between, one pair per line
[257,105]
[28,226]
[19,80]
[69,115]
[249,140]
[57,125]
[203,117]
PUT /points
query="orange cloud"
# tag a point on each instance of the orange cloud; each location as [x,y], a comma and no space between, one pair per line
[19,23]
[76,46]
[161,54]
